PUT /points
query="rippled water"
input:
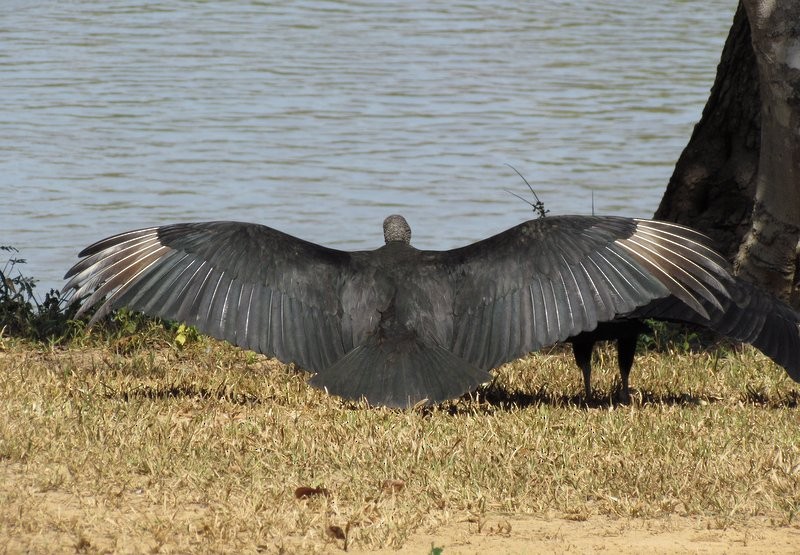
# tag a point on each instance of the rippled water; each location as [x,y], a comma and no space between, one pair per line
[320,118]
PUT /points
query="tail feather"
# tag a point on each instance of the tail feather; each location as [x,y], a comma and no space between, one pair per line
[400,372]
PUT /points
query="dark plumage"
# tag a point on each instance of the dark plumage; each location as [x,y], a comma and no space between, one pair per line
[748,314]
[398,325]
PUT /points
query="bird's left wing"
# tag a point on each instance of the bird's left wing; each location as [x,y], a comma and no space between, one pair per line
[249,284]
[750,315]
[551,278]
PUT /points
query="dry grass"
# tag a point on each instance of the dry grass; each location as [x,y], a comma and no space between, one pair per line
[142,446]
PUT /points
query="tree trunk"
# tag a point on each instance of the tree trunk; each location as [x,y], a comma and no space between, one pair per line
[769,253]
[714,182]
[737,179]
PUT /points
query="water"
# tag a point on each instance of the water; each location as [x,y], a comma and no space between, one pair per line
[321,118]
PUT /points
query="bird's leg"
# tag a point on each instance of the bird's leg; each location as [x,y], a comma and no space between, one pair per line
[582,350]
[626,349]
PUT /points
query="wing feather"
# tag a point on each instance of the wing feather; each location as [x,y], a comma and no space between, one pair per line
[540,325]
[573,272]
[245,283]
[749,315]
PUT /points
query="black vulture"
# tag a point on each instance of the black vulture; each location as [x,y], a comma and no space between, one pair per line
[400,326]
[748,314]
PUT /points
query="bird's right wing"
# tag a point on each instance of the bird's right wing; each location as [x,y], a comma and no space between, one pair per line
[551,278]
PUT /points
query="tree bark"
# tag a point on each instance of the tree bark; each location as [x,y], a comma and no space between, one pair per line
[714,182]
[769,254]
[737,179]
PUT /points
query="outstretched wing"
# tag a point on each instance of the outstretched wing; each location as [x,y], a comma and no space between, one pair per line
[750,315]
[249,284]
[548,279]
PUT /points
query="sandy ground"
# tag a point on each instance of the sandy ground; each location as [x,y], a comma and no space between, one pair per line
[65,524]
[521,535]
[509,535]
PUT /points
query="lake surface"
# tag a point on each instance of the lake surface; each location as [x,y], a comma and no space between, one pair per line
[321,118]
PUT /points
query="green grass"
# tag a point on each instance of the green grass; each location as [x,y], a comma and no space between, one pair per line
[190,445]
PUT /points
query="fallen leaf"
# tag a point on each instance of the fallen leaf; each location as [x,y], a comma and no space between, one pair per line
[393,485]
[336,532]
[304,492]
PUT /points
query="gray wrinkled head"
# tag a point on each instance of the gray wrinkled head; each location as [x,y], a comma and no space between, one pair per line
[396,228]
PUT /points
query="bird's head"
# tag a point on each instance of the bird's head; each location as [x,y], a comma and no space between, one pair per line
[396,228]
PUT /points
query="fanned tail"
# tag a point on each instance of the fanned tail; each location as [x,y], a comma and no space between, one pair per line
[400,372]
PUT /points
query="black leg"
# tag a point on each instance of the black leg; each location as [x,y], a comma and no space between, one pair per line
[582,350]
[626,349]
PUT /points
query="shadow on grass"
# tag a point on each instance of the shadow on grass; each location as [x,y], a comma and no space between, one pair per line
[186,391]
[487,400]
[494,398]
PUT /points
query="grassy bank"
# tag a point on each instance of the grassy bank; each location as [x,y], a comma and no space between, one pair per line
[159,441]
